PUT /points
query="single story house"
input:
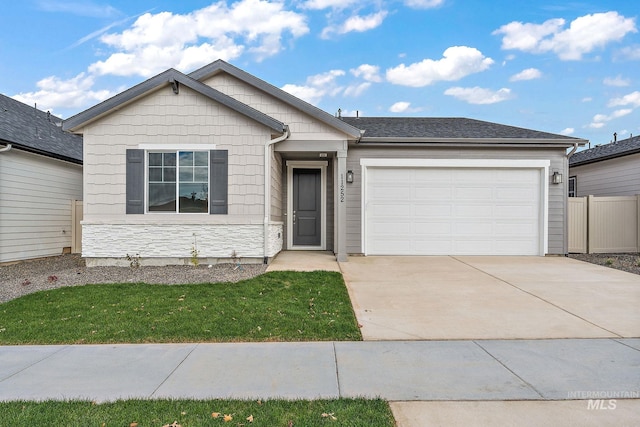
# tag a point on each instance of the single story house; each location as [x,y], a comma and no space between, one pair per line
[219,163]
[606,170]
[40,176]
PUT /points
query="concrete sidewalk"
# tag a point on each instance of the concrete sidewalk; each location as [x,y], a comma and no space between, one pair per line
[394,370]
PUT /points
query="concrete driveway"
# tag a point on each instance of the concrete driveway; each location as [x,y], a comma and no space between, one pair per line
[463,297]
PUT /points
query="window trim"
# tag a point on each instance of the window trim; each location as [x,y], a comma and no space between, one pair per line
[164,149]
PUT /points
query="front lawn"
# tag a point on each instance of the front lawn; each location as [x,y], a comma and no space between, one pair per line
[276,306]
[185,413]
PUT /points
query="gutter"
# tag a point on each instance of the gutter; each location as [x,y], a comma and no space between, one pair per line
[468,142]
[5,149]
[267,189]
[573,150]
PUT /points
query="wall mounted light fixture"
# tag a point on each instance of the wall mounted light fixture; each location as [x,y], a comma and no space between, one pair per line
[350,177]
[556,178]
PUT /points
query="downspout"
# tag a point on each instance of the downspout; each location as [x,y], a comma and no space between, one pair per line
[573,150]
[5,149]
[267,189]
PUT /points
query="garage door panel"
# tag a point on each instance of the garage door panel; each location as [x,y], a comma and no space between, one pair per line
[432,228]
[525,213]
[474,193]
[452,211]
[524,230]
[469,210]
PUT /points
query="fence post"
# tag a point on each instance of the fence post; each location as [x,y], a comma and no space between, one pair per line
[590,224]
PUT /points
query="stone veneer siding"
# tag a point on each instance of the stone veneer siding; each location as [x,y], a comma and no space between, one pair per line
[167,244]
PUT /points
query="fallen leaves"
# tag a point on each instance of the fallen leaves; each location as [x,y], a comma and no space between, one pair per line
[173,424]
[225,417]
[330,416]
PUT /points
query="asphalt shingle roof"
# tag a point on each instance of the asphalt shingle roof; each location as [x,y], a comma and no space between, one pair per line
[444,127]
[620,148]
[36,131]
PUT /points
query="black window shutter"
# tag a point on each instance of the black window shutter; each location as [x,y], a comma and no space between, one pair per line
[135,181]
[218,177]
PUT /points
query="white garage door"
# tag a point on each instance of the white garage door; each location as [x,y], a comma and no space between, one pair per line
[453,211]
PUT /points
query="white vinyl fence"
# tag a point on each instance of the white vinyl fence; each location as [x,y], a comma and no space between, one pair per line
[604,224]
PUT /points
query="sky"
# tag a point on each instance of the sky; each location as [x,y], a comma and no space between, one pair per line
[560,66]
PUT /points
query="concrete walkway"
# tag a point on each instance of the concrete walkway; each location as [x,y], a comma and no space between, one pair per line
[393,370]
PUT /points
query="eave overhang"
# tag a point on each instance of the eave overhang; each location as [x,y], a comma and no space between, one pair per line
[32,150]
[472,142]
[603,158]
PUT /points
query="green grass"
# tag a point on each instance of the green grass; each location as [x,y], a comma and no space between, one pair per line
[277,306]
[186,413]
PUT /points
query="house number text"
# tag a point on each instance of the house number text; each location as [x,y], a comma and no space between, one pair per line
[341,188]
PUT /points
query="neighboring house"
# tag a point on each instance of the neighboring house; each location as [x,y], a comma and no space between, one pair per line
[40,175]
[606,170]
[220,163]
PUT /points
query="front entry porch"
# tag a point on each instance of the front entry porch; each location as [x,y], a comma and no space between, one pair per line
[313,202]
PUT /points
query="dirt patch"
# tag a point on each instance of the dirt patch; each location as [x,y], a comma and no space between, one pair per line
[25,277]
[624,262]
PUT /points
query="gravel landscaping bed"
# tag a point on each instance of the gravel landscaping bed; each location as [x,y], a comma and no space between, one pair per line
[69,270]
[624,262]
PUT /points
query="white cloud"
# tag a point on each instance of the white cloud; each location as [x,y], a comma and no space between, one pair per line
[567,131]
[400,107]
[629,53]
[370,73]
[456,63]
[596,125]
[356,23]
[317,86]
[159,41]
[527,37]
[356,89]
[478,95]
[599,120]
[632,99]
[616,81]
[326,4]
[57,93]
[587,99]
[81,8]
[423,4]
[363,23]
[584,34]
[528,74]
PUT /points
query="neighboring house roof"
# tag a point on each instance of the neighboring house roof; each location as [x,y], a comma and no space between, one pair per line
[450,129]
[623,147]
[219,66]
[174,78]
[29,129]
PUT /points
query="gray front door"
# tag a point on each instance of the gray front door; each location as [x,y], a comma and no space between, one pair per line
[307,215]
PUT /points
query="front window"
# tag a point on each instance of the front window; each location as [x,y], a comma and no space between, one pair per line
[178,181]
